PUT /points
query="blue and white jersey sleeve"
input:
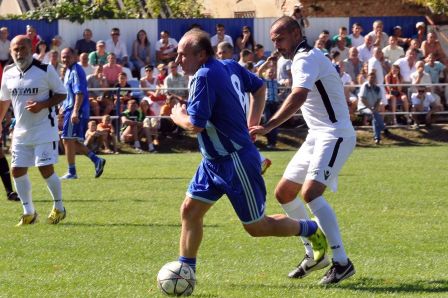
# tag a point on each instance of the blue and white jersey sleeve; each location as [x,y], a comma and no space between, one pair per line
[201,101]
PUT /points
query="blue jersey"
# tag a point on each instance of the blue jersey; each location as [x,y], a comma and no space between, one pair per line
[75,82]
[216,103]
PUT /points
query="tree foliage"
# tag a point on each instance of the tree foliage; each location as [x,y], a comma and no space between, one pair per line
[82,10]
[436,6]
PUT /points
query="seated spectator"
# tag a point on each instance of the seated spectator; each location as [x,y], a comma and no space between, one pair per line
[220,36]
[167,126]
[116,46]
[41,53]
[84,62]
[150,122]
[141,50]
[363,74]
[421,32]
[54,61]
[342,35]
[407,66]
[432,46]
[393,51]
[125,95]
[176,84]
[415,45]
[341,48]
[94,139]
[395,94]
[58,43]
[353,64]
[423,101]
[224,50]
[419,76]
[166,48]
[99,57]
[355,36]
[111,70]
[132,130]
[100,101]
[365,51]
[350,96]
[401,41]
[109,135]
[246,56]
[369,105]
[325,37]
[86,44]
[319,44]
[32,34]
[163,73]
[379,37]
[438,73]
[259,53]
[245,40]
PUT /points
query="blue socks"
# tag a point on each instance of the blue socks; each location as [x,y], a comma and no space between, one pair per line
[72,169]
[92,156]
[190,261]
[307,227]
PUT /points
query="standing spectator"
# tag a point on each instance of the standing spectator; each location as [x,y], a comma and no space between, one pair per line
[58,43]
[224,50]
[423,101]
[32,35]
[246,56]
[76,113]
[432,46]
[365,51]
[54,61]
[4,46]
[369,105]
[245,40]
[116,46]
[353,64]
[86,44]
[379,37]
[100,101]
[166,48]
[342,35]
[220,36]
[355,36]
[272,104]
[300,17]
[84,62]
[111,70]
[395,94]
[393,51]
[99,57]
[41,53]
[141,50]
[341,48]
[284,76]
[125,95]
[176,84]
[330,130]
[350,96]
[379,65]
[319,44]
[421,32]
[215,99]
[259,53]
[36,134]
[325,37]
[401,41]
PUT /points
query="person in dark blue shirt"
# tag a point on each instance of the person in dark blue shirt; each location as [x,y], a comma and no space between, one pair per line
[76,111]
[231,162]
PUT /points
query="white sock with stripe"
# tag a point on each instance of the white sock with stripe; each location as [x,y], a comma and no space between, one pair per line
[23,187]
[54,186]
[296,210]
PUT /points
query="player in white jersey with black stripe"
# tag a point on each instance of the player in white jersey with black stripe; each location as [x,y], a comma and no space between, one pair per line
[318,91]
[34,90]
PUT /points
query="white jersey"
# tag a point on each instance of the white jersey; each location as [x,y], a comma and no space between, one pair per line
[325,110]
[36,83]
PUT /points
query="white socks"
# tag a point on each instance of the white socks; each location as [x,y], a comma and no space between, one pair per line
[54,186]
[23,187]
[329,225]
[296,210]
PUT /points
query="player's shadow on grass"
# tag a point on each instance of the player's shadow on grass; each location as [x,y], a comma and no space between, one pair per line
[124,224]
[373,285]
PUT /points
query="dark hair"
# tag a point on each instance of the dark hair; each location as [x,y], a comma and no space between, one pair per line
[259,46]
[149,67]
[146,41]
[219,26]
[251,42]
[40,43]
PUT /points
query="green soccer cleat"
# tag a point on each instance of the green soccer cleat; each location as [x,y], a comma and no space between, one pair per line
[27,219]
[319,244]
[56,216]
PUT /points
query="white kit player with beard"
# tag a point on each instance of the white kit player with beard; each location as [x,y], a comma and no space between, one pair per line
[34,89]
[318,91]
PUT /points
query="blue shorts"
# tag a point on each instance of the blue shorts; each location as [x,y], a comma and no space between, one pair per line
[74,131]
[239,177]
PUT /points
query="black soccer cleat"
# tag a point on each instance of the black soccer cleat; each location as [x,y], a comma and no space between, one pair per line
[337,273]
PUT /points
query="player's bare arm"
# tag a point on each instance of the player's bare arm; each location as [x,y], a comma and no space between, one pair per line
[181,118]
[76,107]
[256,106]
[4,105]
[291,105]
[37,106]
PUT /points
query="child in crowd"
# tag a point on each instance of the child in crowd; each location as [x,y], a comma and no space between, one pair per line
[93,137]
[109,135]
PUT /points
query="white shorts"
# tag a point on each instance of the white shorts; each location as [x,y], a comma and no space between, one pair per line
[320,159]
[25,156]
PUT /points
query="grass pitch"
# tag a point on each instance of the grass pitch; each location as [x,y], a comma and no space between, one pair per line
[121,228]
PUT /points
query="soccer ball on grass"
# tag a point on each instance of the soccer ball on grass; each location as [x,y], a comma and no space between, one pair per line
[176,279]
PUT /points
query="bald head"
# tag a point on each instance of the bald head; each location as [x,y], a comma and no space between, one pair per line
[21,51]
[286,35]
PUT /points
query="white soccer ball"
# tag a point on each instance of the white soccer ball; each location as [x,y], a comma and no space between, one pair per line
[176,279]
